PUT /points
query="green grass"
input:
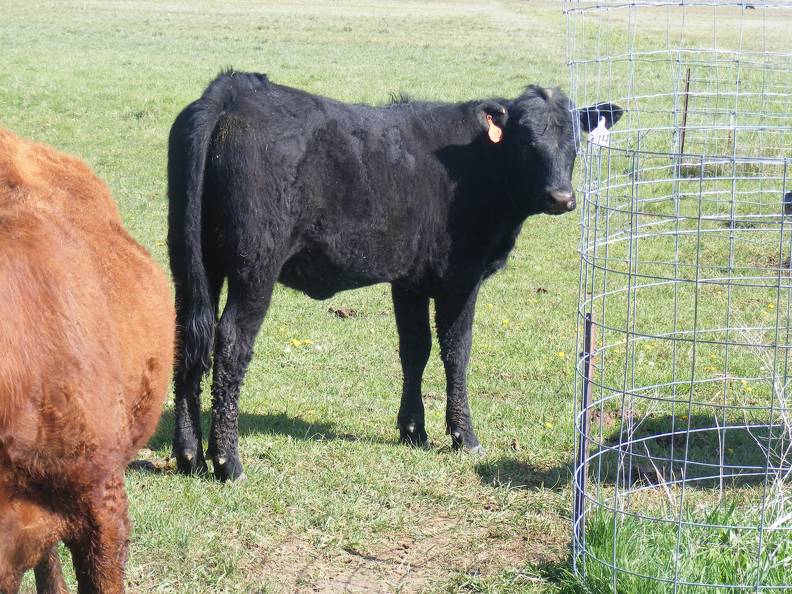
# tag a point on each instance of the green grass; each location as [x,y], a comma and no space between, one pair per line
[694,554]
[331,501]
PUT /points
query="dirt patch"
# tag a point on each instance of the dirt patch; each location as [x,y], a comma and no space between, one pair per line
[343,313]
[773,262]
[606,418]
[437,550]
[148,462]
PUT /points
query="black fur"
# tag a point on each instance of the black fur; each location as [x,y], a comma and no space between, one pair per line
[269,183]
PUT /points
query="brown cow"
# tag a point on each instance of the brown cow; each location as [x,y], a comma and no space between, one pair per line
[86,352]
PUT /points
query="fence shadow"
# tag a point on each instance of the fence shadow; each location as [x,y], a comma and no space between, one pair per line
[664,449]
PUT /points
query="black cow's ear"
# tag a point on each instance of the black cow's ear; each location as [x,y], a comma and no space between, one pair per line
[493,117]
[590,116]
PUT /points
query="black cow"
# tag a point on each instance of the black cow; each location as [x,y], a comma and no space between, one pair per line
[268,183]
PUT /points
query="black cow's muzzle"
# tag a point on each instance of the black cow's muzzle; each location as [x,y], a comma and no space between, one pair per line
[560,201]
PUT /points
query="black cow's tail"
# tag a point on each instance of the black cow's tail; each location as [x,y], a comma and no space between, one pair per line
[196,309]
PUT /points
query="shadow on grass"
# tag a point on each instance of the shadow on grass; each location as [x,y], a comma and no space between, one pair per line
[505,472]
[560,575]
[662,449]
[259,424]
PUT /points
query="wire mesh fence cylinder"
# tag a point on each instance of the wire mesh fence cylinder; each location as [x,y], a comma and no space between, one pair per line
[684,429]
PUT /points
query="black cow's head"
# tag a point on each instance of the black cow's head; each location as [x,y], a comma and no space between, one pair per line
[539,132]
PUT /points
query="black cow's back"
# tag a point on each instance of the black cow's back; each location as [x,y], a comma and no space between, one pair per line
[351,195]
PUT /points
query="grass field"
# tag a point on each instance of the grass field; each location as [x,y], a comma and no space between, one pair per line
[332,502]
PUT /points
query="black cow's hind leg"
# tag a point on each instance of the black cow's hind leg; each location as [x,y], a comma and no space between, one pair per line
[415,343]
[454,315]
[236,333]
[187,439]
[187,446]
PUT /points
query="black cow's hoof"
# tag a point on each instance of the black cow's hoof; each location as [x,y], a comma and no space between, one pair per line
[413,434]
[466,441]
[227,468]
[476,450]
[191,463]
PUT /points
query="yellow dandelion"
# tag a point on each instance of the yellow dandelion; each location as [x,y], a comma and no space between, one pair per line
[548,425]
[561,354]
[770,306]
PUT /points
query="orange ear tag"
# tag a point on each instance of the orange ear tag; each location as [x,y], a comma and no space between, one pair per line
[495,134]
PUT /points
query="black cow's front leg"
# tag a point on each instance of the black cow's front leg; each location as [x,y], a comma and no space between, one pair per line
[415,343]
[236,333]
[454,316]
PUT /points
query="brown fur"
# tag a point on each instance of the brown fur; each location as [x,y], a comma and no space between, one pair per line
[86,350]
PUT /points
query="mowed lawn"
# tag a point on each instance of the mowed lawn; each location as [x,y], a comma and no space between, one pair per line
[332,502]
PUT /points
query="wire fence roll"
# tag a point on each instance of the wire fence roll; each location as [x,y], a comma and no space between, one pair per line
[683,421]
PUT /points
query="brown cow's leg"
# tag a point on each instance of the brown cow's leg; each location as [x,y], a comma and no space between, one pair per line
[28,537]
[9,582]
[10,569]
[99,553]
[49,576]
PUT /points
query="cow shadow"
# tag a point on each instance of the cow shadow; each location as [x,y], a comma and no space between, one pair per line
[514,474]
[260,424]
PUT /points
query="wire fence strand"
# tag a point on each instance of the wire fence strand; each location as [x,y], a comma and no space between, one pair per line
[684,442]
